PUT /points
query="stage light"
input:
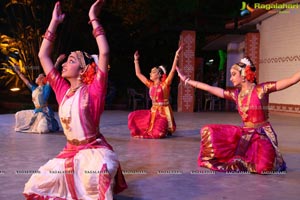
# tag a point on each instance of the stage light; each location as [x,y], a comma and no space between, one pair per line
[15,89]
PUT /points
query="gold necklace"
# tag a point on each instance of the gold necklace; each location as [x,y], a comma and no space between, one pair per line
[243,93]
[67,120]
[72,91]
[245,108]
[156,88]
[75,88]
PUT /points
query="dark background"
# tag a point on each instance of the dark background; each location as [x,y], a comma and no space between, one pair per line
[151,26]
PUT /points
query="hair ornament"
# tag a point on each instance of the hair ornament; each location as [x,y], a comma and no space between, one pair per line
[95,57]
[246,61]
[163,69]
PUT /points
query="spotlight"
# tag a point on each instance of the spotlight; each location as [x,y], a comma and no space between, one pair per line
[14,89]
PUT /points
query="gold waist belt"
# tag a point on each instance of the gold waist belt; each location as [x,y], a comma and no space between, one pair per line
[160,103]
[254,125]
[83,142]
[43,106]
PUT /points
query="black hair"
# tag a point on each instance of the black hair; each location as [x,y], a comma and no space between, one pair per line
[88,59]
[243,65]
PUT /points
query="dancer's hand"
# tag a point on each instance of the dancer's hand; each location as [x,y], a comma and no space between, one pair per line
[136,55]
[178,52]
[16,68]
[57,14]
[14,64]
[180,74]
[95,9]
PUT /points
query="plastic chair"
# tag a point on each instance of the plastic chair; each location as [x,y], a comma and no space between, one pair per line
[148,99]
[212,101]
[135,99]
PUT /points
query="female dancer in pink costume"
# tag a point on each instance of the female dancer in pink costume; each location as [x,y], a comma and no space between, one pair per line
[158,122]
[252,147]
[87,168]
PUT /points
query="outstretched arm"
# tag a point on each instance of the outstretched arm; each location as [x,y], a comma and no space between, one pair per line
[203,86]
[49,38]
[137,68]
[99,34]
[173,69]
[287,82]
[22,77]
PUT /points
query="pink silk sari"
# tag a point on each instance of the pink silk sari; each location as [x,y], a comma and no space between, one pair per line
[252,147]
[158,122]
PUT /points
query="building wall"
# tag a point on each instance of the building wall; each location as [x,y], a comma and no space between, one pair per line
[280,56]
[186,94]
[252,41]
[235,52]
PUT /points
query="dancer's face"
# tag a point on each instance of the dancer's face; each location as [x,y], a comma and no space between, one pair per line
[235,77]
[71,68]
[154,74]
[39,80]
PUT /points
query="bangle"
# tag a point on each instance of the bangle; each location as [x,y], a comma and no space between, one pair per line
[95,19]
[186,81]
[136,60]
[50,36]
[98,31]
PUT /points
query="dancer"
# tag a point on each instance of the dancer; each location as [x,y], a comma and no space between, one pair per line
[87,168]
[41,119]
[158,122]
[252,147]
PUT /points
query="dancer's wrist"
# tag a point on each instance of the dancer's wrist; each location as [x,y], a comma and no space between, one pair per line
[98,31]
[49,35]
[186,81]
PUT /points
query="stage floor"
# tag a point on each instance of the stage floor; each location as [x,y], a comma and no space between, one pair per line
[163,169]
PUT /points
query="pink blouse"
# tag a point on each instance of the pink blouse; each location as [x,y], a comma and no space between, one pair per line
[92,99]
[252,106]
